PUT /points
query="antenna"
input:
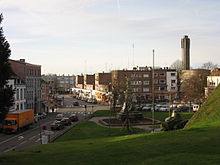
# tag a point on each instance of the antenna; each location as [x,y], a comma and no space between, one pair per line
[133,54]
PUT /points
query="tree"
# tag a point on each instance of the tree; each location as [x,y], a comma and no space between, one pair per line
[193,89]
[178,65]
[209,65]
[6,92]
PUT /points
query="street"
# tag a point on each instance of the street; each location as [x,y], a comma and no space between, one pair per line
[33,135]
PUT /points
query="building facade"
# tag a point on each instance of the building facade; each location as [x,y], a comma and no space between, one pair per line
[213,80]
[89,82]
[102,82]
[31,75]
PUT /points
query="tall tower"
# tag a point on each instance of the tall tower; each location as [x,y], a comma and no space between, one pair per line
[185,45]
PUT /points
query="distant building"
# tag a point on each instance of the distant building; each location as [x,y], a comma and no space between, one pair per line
[102,81]
[31,75]
[165,82]
[80,81]
[213,80]
[45,88]
[185,45]
[19,97]
[62,83]
[89,82]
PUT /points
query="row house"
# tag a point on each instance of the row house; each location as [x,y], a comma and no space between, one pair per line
[30,74]
[102,82]
[89,82]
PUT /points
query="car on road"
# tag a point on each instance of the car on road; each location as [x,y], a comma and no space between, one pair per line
[75,103]
[66,121]
[57,125]
[59,116]
[73,117]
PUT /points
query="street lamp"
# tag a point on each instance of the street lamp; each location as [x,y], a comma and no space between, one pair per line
[153,95]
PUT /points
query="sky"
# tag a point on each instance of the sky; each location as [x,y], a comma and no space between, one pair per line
[90,36]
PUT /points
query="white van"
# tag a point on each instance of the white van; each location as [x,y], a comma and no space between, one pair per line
[195,107]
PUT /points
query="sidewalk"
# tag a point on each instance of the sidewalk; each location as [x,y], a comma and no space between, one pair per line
[147,128]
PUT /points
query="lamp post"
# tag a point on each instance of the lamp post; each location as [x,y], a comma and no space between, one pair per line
[153,95]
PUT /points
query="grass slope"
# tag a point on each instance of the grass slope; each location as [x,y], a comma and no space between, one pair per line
[198,144]
[209,113]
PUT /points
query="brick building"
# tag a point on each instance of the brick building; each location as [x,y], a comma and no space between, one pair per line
[102,81]
[31,75]
[140,80]
[80,81]
[89,82]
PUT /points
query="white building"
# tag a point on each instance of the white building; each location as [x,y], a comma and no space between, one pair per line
[19,98]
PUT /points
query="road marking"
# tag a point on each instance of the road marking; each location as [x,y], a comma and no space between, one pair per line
[23,142]
[32,137]
[9,149]
[20,137]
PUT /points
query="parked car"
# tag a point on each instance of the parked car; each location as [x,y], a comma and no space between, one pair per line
[59,116]
[66,121]
[57,125]
[42,115]
[147,108]
[76,103]
[73,117]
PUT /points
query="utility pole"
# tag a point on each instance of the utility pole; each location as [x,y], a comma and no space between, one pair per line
[153,95]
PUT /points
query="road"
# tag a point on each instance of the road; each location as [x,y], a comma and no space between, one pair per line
[32,136]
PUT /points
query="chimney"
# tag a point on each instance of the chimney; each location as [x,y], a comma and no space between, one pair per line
[22,60]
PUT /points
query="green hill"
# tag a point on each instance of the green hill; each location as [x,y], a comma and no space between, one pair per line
[197,144]
[209,114]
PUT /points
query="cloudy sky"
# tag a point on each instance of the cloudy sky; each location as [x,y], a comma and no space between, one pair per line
[78,36]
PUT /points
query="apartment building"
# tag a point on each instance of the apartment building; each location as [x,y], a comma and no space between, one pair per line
[80,81]
[62,83]
[19,96]
[102,82]
[89,82]
[30,74]
[140,82]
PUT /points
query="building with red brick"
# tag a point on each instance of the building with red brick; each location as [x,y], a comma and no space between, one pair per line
[31,75]
[89,82]
[102,81]
[80,81]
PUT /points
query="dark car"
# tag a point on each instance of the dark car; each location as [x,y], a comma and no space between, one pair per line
[73,117]
[66,121]
[76,103]
[57,125]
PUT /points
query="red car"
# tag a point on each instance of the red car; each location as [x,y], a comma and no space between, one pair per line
[56,125]
[73,117]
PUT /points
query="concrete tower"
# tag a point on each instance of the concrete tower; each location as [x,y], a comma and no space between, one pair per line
[185,45]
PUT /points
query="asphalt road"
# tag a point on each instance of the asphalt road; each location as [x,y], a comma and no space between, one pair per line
[33,135]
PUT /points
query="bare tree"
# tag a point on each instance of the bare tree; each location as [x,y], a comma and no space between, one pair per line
[193,89]
[209,65]
[178,65]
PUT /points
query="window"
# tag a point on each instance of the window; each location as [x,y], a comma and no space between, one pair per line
[173,88]
[136,89]
[162,82]
[155,81]
[173,81]
[173,74]
[145,75]
[136,75]
[146,82]
[136,82]
[146,89]
[162,74]
[162,88]
[155,74]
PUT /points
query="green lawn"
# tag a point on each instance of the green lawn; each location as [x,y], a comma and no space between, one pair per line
[158,115]
[197,144]
[89,130]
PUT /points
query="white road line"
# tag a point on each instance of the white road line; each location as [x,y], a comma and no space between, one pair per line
[23,142]
[9,149]
[32,137]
